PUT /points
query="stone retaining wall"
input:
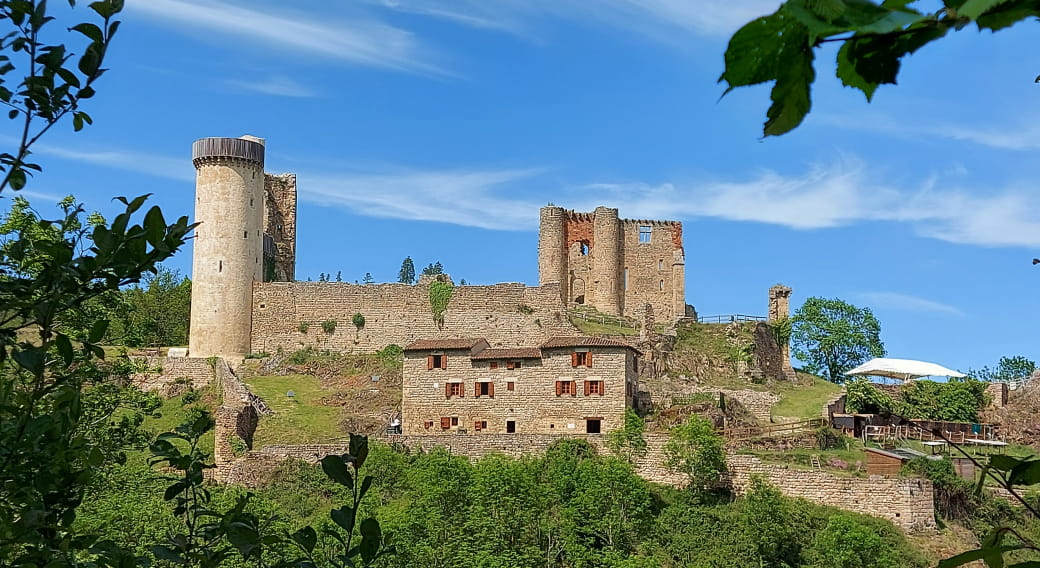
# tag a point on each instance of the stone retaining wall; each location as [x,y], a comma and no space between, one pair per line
[166,373]
[236,417]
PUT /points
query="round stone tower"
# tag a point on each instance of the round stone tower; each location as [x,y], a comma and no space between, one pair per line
[606,261]
[229,200]
[552,248]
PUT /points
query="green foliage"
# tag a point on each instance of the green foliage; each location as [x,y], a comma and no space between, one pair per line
[358,320]
[780,48]
[955,401]
[1008,369]
[765,522]
[433,269]
[627,442]
[155,313]
[391,356]
[850,541]
[303,327]
[524,309]
[954,496]
[695,449]
[407,272]
[861,396]
[328,326]
[831,337]
[781,329]
[368,278]
[440,295]
[190,396]
[828,438]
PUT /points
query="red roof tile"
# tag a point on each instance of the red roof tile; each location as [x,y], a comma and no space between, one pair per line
[428,344]
[517,353]
[584,341]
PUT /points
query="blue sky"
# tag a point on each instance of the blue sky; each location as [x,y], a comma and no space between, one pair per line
[437,128]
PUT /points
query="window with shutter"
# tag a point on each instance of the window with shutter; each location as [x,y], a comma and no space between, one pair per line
[447,390]
[573,388]
[493,364]
[588,385]
[588,359]
[559,388]
[491,390]
[429,362]
[445,422]
[574,359]
[476,425]
[510,386]
[510,365]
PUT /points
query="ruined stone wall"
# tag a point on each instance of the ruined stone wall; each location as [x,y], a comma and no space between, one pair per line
[998,393]
[768,357]
[236,417]
[532,404]
[907,502]
[834,405]
[649,265]
[280,223]
[169,374]
[505,314]
[596,250]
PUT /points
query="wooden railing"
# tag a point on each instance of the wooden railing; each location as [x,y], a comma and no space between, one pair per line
[787,428]
[731,318]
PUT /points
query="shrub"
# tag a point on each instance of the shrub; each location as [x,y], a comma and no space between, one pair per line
[358,320]
[303,327]
[238,446]
[260,355]
[328,326]
[191,396]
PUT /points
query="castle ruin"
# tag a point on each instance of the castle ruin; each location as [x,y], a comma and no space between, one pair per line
[245,298]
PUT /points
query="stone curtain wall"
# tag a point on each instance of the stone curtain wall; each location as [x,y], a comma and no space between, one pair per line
[401,313]
[164,373]
[907,502]
[280,223]
[998,393]
[768,357]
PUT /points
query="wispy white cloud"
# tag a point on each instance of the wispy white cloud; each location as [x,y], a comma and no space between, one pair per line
[474,198]
[907,303]
[660,20]
[159,166]
[363,42]
[843,193]
[275,86]
[1022,134]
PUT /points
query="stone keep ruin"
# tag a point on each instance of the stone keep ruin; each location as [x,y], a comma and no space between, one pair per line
[245,298]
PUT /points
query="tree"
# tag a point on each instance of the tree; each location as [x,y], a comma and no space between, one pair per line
[695,449]
[628,442]
[368,278]
[433,269]
[1008,369]
[407,273]
[780,48]
[339,276]
[154,313]
[831,337]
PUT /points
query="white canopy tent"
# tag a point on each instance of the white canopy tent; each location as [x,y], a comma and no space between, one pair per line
[902,369]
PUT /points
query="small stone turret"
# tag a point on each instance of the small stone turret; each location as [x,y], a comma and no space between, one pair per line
[552,248]
[229,206]
[779,310]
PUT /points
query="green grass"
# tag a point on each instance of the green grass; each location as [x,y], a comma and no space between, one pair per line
[803,401]
[298,420]
[596,328]
[800,457]
[172,413]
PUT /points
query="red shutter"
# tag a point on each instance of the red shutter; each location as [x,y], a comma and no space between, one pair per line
[491,390]
[445,423]
[602,387]
[510,365]
[444,362]
[429,362]
[588,387]
[559,388]
[574,359]
[493,364]
[574,388]
[476,425]
[462,389]
[588,359]
[447,390]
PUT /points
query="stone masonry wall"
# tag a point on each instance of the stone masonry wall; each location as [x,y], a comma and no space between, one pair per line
[508,315]
[532,404]
[280,223]
[165,373]
[235,417]
[907,502]
[651,278]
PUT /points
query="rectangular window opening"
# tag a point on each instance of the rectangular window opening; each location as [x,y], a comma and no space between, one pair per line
[593,387]
[485,389]
[566,387]
[453,389]
[510,386]
[493,365]
[644,233]
[454,420]
[581,359]
[510,427]
[592,425]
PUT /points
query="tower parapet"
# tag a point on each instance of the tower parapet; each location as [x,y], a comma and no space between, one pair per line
[229,205]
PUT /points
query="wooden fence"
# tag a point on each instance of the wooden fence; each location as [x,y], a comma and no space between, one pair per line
[731,318]
[773,430]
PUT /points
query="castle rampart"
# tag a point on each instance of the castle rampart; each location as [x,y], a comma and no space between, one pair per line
[289,315]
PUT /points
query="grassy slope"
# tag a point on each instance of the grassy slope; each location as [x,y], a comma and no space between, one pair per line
[803,401]
[302,419]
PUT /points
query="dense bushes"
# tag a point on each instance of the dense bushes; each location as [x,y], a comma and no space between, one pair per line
[570,508]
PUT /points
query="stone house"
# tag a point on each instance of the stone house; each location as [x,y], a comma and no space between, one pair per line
[567,385]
